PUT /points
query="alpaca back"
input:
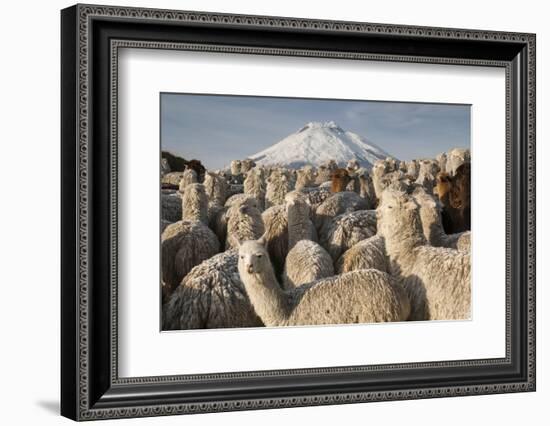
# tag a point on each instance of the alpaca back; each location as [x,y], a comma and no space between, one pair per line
[363,296]
[307,261]
[185,244]
[337,204]
[171,207]
[211,296]
[366,254]
[439,284]
[347,230]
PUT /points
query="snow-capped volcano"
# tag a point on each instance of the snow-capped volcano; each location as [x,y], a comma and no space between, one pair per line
[317,143]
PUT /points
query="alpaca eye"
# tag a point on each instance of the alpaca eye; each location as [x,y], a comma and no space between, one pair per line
[259,256]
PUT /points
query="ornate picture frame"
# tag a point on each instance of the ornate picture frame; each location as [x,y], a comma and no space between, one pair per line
[91,37]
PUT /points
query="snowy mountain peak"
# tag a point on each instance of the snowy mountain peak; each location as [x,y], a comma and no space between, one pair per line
[317,143]
[320,125]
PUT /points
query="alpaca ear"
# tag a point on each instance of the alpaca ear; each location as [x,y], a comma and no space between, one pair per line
[263,239]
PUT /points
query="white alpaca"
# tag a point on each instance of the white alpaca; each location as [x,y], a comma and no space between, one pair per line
[426,174]
[254,185]
[216,187]
[412,169]
[366,188]
[171,206]
[189,241]
[212,295]
[189,177]
[218,217]
[442,162]
[246,165]
[316,196]
[164,167]
[306,260]
[236,167]
[455,158]
[278,185]
[305,177]
[366,254]
[355,297]
[322,175]
[437,279]
[300,225]
[430,216]
[172,178]
[353,165]
[244,222]
[379,170]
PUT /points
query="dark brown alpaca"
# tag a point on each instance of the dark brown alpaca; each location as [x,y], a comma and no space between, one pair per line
[340,179]
[199,169]
[459,197]
[454,194]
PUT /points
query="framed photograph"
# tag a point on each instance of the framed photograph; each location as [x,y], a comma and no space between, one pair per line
[263,212]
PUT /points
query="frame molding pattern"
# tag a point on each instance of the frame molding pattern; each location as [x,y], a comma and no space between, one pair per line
[85,13]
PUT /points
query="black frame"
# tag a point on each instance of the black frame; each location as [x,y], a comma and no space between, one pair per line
[90,37]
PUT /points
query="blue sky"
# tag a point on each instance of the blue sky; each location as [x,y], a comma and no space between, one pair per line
[216,129]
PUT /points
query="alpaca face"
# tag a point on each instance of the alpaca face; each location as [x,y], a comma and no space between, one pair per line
[253,257]
[443,184]
[396,213]
[459,196]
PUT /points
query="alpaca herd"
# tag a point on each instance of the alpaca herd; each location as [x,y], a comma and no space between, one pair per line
[256,246]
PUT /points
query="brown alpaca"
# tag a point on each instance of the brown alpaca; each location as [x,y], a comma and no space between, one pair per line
[199,169]
[459,197]
[454,195]
[340,179]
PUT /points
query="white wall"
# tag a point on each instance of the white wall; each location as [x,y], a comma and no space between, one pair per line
[29,216]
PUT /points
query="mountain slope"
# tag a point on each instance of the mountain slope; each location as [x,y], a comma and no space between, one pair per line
[316,143]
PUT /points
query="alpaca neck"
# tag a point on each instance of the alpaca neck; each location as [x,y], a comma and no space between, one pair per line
[432,225]
[339,185]
[269,300]
[400,247]
[197,210]
[299,224]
